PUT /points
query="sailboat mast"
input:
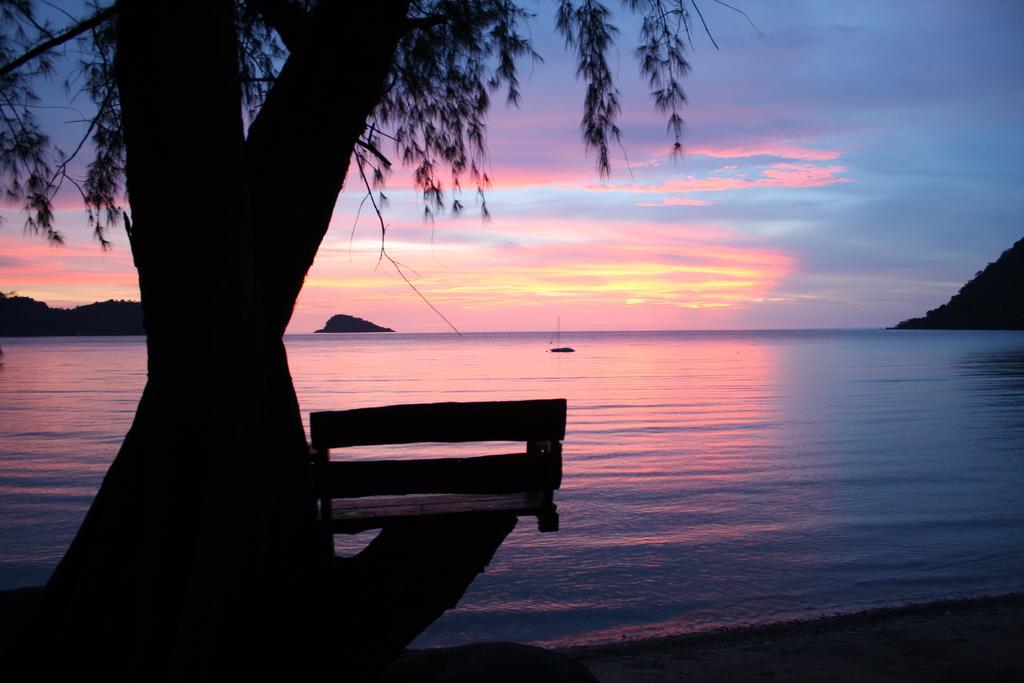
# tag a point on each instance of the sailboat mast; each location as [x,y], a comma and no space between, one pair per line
[558,339]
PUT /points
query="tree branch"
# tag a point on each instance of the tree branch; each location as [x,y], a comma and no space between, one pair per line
[413,23]
[745,16]
[706,29]
[290,21]
[372,149]
[59,39]
[310,123]
[385,255]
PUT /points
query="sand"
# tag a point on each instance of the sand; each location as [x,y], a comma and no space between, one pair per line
[979,639]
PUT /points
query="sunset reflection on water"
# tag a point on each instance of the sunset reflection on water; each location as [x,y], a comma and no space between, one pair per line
[710,478]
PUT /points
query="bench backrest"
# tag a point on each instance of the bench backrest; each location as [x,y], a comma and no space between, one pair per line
[537,420]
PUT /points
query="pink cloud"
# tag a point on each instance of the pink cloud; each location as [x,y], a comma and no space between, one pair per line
[801,175]
[609,274]
[77,273]
[784,151]
[780,175]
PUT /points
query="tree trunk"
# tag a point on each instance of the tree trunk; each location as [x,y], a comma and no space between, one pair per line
[207,503]
[198,557]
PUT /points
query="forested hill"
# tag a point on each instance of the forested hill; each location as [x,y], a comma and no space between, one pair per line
[349,323]
[993,300]
[21,316]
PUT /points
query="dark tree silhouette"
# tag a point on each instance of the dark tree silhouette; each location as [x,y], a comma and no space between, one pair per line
[231,128]
[21,316]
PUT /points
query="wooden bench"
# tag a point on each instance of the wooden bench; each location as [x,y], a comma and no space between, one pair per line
[356,495]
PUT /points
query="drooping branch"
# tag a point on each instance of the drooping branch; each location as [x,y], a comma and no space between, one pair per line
[94,200]
[661,56]
[372,149]
[705,24]
[414,23]
[743,14]
[385,256]
[588,30]
[439,93]
[59,39]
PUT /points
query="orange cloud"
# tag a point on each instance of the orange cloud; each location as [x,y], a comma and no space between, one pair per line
[608,281]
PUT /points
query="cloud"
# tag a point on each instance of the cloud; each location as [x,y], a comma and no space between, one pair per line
[605,280]
[71,274]
[801,175]
[778,175]
[783,151]
[678,201]
[12,262]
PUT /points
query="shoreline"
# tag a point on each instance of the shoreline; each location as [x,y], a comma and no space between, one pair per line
[976,639]
[980,638]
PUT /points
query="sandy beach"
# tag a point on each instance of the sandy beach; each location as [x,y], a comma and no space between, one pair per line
[978,639]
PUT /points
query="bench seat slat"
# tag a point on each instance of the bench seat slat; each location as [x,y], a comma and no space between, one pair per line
[536,420]
[359,514]
[483,474]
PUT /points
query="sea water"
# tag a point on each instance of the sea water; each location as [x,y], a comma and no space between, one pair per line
[711,478]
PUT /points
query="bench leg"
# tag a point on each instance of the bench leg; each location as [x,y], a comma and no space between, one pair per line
[406,578]
[547,520]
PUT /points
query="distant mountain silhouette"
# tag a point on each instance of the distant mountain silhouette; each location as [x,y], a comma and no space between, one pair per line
[21,316]
[349,323]
[993,300]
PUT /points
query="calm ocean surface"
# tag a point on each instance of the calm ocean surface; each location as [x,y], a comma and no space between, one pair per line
[710,478]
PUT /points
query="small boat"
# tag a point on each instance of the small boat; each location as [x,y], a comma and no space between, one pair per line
[558,338]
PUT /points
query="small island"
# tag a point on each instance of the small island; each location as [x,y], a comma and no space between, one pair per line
[350,323]
[992,300]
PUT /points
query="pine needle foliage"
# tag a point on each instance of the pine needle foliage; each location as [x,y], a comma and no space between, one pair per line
[454,58]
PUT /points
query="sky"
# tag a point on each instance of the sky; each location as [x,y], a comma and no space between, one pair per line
[848,164]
